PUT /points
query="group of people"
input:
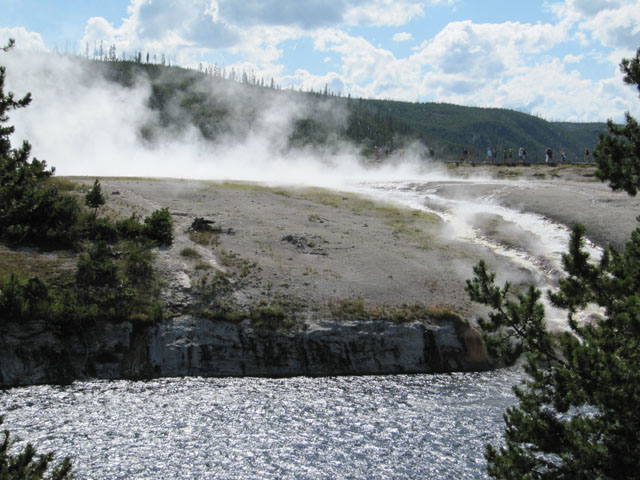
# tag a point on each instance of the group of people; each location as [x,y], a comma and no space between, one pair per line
[379,152]
[507,156]
[548,157]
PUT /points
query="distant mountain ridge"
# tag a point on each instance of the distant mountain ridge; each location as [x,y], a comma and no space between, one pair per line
[452,127]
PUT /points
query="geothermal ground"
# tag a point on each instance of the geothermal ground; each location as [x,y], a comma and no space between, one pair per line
[311,247]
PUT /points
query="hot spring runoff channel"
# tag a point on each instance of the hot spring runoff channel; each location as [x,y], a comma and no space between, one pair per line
[540,255]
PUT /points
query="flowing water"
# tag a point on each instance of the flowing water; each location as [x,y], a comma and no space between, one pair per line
[378,427]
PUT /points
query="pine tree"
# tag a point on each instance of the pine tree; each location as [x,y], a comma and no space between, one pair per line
[618,153]
[31,209]
[94,198]
[26,466]
[578,414]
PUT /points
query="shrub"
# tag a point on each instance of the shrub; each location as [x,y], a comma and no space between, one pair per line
[138,265]
[12,304]
[38,215]
[20,300]
[102,229]
[130,227]
[159,227]
[96,268]
[189,252]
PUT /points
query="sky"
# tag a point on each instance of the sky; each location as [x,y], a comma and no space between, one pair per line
[555,59]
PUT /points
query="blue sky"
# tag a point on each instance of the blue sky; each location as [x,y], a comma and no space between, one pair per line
[556,59]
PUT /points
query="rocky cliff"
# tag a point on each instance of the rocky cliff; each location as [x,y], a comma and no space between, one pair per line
[31,354]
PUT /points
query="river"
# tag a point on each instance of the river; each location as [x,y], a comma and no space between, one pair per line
[377,427]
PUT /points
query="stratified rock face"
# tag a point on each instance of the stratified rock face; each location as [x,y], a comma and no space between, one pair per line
[195,346]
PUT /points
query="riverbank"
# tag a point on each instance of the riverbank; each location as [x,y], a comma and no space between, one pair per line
[306,281]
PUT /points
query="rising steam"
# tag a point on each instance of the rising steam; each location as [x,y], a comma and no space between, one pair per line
[84,124]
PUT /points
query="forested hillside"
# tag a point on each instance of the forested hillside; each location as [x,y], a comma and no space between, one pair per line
[220,105]
[449,128]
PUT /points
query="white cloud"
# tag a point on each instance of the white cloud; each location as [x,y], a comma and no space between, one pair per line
[569,58]
[260,43]
[589,8]
[499,65]
[384,12]
[613,23]
[307,14]
[168,26]
[617,28]
[401,37]
[482,64]
[367,69]
[24,39]
[581,38]
[314,14]
[195,22]
[465,51]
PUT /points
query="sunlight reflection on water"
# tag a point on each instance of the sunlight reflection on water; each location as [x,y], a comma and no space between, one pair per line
[417,426]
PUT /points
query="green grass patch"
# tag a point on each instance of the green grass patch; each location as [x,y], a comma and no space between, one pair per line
[354,310]
[65,184]
[59,268]
[509,172]
[128,179]
[242,186]
[271,318]
[324,197]
[263,317]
